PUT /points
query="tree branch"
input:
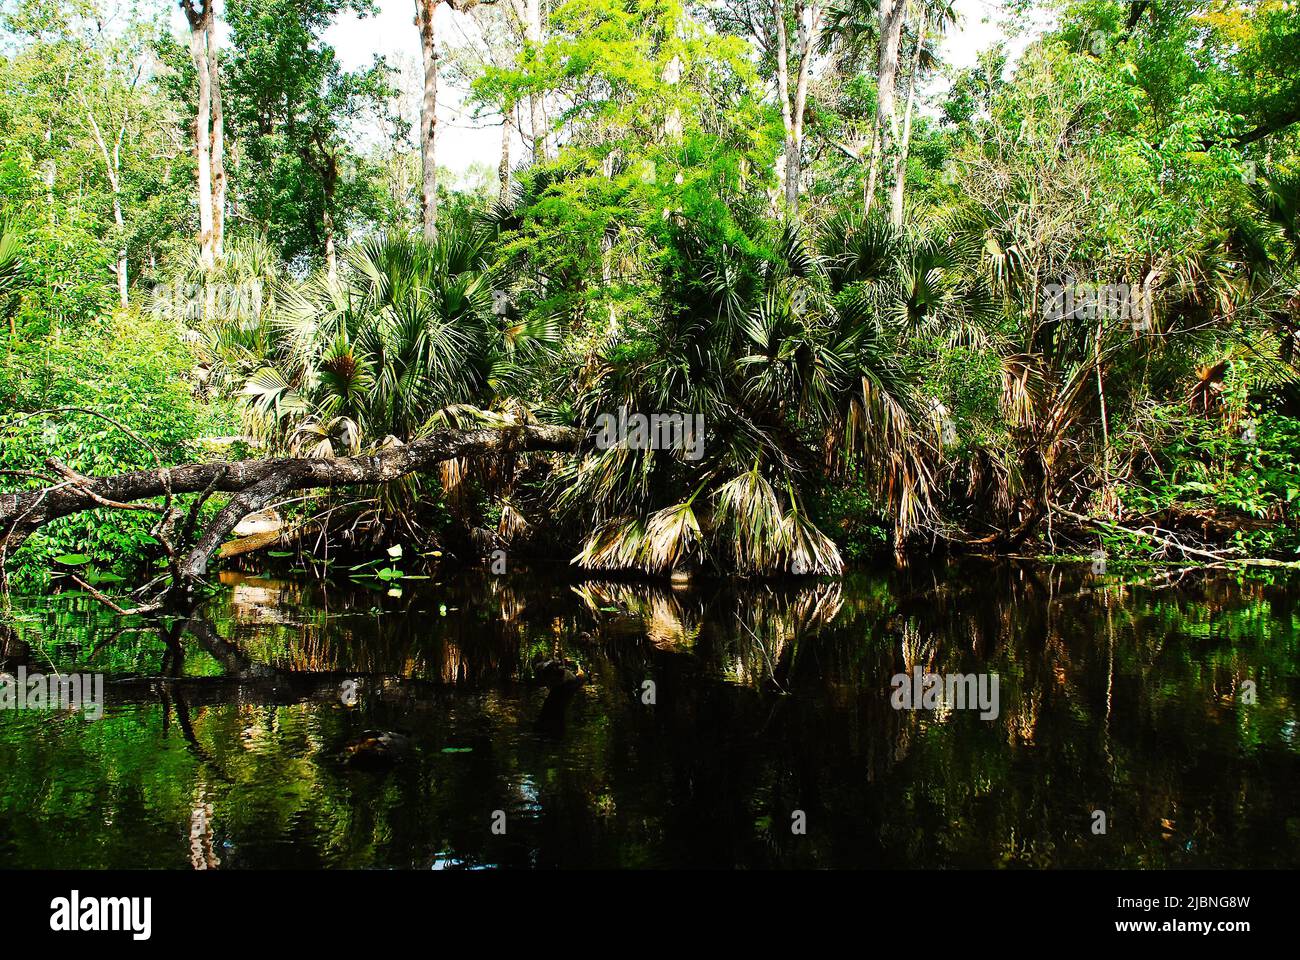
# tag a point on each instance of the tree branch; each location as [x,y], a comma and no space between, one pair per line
[258,483]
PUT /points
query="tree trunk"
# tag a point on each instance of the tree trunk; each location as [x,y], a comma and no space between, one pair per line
[673,121]
[783,95]
[256,483]
[112,166]
[329,184]
[900,164]
[809,27]
[199,20]
[218,145]
[331,258]
[533,37]
[122,292]
[503,167]
[793,104]
[891,32]
[425,11]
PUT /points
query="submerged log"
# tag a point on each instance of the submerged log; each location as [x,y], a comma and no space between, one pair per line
[256,484]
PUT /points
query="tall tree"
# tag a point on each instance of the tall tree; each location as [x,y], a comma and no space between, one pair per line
[209,136]
[296,114]
[808,17]
[218,152]
[891,15]
[112,158]
[90,147]
[495,43]
[529,14]
[426,12]
[932,17]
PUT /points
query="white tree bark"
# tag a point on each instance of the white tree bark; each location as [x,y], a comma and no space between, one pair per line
[112,159]
[900,163]
[891,32]
[783,95]
[218,145]
[199,20]
[425,11]
[112,166]
[793,104]
[536,114]
[331,257]
[503,166]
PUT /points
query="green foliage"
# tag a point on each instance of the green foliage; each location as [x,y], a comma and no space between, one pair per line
[855,373]
[135,371]
[1248,466]
[295,112]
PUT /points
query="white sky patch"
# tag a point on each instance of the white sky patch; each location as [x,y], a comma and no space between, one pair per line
[465,140]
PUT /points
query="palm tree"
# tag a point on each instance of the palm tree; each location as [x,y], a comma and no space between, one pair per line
[407,331]
[12,277]
[408,335]
[788,356]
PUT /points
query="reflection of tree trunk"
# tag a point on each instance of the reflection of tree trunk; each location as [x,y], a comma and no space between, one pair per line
[203,856]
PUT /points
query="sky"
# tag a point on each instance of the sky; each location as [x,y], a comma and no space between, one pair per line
[465,141]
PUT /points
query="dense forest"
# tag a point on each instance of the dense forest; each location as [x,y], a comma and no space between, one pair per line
[1042,304]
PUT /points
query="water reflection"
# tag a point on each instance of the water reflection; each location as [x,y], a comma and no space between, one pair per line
[624,724]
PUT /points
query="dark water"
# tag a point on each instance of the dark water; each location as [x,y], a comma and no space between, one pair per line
[222,737]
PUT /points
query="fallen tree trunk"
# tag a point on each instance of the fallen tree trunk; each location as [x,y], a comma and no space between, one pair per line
[256,484]
[1168,543]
